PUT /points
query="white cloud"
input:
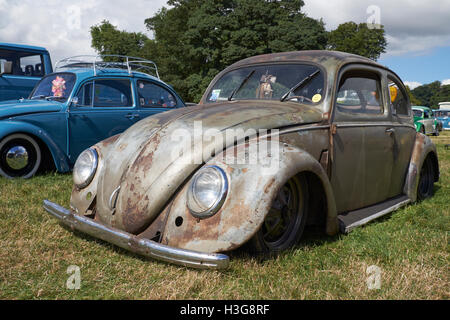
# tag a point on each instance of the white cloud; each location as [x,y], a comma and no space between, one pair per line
[445,82]
[411,25]
[63,27]
[412,84]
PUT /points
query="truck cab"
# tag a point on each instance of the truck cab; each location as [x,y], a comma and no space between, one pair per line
[22,66]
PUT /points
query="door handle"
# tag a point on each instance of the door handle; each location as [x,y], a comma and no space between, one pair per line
[132,116]
[390,131]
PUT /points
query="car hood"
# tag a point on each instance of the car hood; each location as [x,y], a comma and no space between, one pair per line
[13,108]
[143,161]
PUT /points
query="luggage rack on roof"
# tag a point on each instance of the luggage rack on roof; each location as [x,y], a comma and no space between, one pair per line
[97,62]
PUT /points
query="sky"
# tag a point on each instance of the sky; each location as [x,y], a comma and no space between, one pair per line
[417,31]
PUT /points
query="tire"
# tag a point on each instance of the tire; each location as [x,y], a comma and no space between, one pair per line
[20,156]
[284,224]
[426,180]
[422,129]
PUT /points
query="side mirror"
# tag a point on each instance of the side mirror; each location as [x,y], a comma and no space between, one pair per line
[6,67]
[74,101]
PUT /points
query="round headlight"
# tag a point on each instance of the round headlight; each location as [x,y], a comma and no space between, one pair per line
[207,192]
[85,167]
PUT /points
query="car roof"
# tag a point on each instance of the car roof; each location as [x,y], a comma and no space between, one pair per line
[316,56]
[83,73]
[21,46]
[420,108]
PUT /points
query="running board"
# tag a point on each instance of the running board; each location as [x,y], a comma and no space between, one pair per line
[352,219]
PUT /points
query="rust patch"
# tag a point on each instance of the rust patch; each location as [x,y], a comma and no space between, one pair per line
[269,185]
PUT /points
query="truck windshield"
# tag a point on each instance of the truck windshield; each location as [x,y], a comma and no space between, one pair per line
[294,82]
[56,86]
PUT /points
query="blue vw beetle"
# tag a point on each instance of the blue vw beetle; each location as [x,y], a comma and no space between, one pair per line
[86,100]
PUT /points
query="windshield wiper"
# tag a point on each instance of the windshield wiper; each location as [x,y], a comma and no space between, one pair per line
[244,81]
[304,81]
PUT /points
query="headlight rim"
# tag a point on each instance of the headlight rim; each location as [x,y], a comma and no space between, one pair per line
[94,167]
[220,199]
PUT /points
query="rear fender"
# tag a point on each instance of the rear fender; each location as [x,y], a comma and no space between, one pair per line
[423,147]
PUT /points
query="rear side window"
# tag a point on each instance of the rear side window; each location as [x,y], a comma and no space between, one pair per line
[360,93]
[398,99]
[25,64]
[153,95]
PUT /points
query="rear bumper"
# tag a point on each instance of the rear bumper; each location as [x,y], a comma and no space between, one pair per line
[132,243]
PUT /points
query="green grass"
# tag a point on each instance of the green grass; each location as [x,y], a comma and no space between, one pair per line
[410,246]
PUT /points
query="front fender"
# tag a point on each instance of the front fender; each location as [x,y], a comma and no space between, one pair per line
[59,157]
[252,188]
[423,147]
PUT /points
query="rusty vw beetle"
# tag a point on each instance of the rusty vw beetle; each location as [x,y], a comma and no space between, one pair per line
[278,142]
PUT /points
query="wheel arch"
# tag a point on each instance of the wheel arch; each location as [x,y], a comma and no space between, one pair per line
[423,148]
[47,144]
[250,196]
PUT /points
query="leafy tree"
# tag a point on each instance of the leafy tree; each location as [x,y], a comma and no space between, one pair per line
[358,39]
[106,39]
[195,39]
[412,97]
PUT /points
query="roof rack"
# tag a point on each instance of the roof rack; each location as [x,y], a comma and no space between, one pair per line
[97,62]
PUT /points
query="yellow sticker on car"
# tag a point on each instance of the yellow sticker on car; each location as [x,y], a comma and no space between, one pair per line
[316,98]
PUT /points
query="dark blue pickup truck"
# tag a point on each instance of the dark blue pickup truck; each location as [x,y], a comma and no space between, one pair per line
[21,68]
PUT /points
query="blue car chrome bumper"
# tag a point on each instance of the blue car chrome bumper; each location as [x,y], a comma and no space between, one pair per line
[132,243]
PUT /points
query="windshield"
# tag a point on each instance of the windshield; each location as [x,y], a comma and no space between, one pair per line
[56,86]
[270,82]
[417,113]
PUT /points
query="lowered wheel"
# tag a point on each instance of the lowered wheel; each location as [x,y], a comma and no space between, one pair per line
[20,156]
[426,180]
[285,222]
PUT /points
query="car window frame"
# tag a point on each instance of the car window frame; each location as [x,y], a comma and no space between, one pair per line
[28,54]
[392,77]
[204,100]
[138,102]
[84,82]
[339,116]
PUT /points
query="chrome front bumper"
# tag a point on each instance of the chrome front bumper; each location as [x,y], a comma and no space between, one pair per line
[132,243]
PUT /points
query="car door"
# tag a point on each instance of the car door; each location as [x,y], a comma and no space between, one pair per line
[103,108]
[404,134]
[26,72]
[362,139]
[154,98]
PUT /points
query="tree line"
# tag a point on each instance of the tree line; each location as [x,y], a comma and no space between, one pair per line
[430,94]
[195,39]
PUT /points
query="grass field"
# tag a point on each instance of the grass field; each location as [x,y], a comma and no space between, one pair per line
[410,246]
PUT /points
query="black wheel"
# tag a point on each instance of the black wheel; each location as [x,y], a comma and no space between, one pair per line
[426,180]
[422,129]
[285,222]
[20,156]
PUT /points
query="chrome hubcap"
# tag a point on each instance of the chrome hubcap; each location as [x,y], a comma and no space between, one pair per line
[17,158]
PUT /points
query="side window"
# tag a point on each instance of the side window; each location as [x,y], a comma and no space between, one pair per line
[112,93]
[398,100]
[360,93]
[85,94]
[23,63]
[32,66]
[152,95]
[426,114]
